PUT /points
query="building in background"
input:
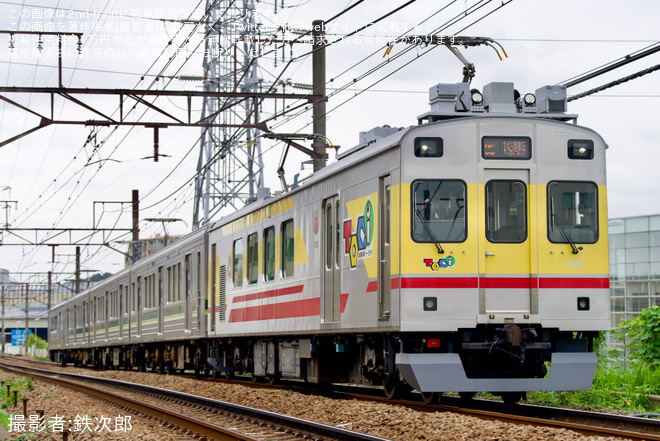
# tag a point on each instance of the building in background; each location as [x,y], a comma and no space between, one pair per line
[634,247]
[13,316]
[147,247]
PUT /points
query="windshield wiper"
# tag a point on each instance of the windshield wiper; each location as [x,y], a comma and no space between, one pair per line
[429,232]
[567,237]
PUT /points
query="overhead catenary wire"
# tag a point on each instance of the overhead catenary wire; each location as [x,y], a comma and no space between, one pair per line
[454,20]
[365,89]
[614,83]
[115,128]
[96,148]
[608,67]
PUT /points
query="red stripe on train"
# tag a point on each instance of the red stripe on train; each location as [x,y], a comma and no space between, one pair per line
[507,282]
[268,294]
[574,282]
[439,282]
[283,310]
[501,282]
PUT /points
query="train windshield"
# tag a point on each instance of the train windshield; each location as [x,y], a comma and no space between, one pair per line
[438,211]
[506,208]
[572,212]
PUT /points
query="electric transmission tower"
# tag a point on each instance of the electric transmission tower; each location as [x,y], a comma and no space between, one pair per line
[230,168]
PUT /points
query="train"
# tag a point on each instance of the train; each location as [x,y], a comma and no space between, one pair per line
[466,253]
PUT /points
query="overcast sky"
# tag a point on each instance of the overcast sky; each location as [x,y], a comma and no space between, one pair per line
[59,174]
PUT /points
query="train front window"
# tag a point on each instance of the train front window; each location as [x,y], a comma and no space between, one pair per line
[506,211]
[572,212]
[438,211]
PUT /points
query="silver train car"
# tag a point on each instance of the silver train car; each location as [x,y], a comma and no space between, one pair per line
[467,253]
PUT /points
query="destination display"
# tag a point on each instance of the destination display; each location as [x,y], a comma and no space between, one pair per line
[506,147]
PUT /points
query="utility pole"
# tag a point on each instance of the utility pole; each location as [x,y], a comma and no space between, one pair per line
[50,289]
[2,337]
[27,324]
[318,85]
[77,270]
[137,249]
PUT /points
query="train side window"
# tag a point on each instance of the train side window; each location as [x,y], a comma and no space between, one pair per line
[253,258]
[580,149]
[506,211]
[187,280]
[287,248]
[269,254]
[238,262]
[328,237]
[338,252]
[138,298]
[572,212]
[428,147]
[169,285]
[177,282]
[147,292]
[438,211]
[161,292]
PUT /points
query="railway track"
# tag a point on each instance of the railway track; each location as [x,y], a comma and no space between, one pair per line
[588,423]
[196,416]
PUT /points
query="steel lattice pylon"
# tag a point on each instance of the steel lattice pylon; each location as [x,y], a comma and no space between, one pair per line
[230,168]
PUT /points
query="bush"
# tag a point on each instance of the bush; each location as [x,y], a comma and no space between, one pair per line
[40,342]
[643,334]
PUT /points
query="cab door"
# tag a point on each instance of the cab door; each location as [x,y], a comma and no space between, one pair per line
[506,279]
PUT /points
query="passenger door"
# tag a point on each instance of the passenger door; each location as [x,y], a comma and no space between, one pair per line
[331,259]
[384,234]
[506,280]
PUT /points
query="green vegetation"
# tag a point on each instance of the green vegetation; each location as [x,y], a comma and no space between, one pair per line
[38,341]
[614,388]
[643,335]
[20,384]
[620,383]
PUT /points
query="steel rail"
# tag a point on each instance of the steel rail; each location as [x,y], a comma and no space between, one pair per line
[592,423]
[201,427]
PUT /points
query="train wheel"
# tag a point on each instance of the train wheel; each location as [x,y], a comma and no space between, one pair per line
[271,379]
[255,378]
[391,386]
[431,397]
[467,395]
[512,397]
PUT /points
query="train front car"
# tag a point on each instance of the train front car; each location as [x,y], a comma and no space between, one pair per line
[504,257]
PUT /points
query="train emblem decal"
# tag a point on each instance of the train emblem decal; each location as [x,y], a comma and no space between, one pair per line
[447,262]
[359,243]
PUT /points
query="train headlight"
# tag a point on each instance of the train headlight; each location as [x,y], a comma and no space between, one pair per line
[476,97]
[430,303]
[529,99]
[580,149]
[583,303]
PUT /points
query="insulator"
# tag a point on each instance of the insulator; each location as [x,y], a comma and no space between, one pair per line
[190,78]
